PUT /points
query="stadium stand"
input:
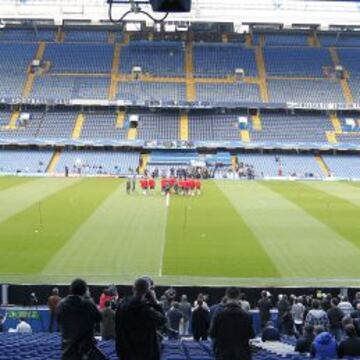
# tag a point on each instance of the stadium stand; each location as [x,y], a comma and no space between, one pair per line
[57,125]
[343,166]
[24,161]
[282,39]
[296,61]
[354,83]
[269,165]
[75,35]
[79,58]
[293,128]
[160,58]
[221,60]
[339,39]
[98,162]
[349,60]
[151,91]
[222,93]
[23,35]
[308,91]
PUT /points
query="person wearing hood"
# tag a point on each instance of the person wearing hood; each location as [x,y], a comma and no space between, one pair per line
[77,316]
[324,345]
[317,316]
[138,319]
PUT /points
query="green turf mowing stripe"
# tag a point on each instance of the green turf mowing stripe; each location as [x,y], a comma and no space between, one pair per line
[30,238]
[340,215]
[205,236]
[122,239]
[17,198]
[301,245]
[340,189]
[7,182]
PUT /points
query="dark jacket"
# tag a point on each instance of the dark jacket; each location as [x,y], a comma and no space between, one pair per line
[108,324]
[264,306]
[270,334]
[350,347]
[174,316]
[335,316]
[78,318]
[303,344]
[324,347]
[231,330]
[137,322]
[200,322]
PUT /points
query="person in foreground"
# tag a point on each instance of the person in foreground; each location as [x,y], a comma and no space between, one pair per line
[78,316]
[232,329]
[324,345]
[304,342]
[137,320]
[350,347]
[270,333]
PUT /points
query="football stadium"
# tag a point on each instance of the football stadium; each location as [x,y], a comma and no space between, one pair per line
[162,153]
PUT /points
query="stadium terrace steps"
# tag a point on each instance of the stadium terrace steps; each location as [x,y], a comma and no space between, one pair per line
[114,70]
[53,162]
[132,134]
[331,138]
[245,136]
[256,122]
[260,63]
[184,126]
[144,160]
[189,73]
[336,124]
[13,120]
[120,119]
[80,119]
[324,168]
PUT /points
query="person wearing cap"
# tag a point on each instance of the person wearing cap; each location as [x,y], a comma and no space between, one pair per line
[138,318]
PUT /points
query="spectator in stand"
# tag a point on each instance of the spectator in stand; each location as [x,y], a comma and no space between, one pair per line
[217,307]
[355,315]
[200,321]
[23,327]
[350,347]
[185,308]
[297,312]
[304,342]
[356,300]
[283,306]
[174,316]
[104,297]
[232,330]
[78,317]
[53,302]
[326,302]
[317,316]
[137,322]
[324,345]
[2,321]
[244,303]
[335,316]
[345,306]
[270,333]
[264,305]
[288,327]
[201,297]
[107,325]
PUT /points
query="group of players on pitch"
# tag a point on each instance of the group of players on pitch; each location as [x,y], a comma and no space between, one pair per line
[170,185]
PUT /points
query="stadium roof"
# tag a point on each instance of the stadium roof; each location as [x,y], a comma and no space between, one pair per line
[236,11]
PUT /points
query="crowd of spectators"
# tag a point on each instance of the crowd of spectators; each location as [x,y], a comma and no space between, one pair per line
[325,326]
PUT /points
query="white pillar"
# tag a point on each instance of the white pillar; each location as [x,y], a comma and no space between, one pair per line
[5,294]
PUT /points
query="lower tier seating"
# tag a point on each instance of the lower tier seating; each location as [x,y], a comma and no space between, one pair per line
[347,166]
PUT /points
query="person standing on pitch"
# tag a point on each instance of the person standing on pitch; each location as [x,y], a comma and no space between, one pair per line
[128,186]
[133,183]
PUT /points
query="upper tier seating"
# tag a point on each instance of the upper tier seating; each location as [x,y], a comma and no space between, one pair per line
[57,125]
[9,34]
[221,60]
[79,58]
[353,139]
[70,87]
[16,57]
[296,61]
[227,93]
[308,91]
[74,35]
[339,40]
[148,91]
[296,128]
[158,126]
[345,166]
[11,85]
[208,127]
[158,58]
[269,165]
[282,39]
[349,59]
[102,125]
[98,162]
[354,83]
[26,161]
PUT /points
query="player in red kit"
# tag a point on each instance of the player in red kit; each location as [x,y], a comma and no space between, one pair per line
[192,186]
[198,186]
[152,184]
[163,184]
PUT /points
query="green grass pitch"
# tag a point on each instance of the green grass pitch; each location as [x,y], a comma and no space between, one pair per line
[237,232]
